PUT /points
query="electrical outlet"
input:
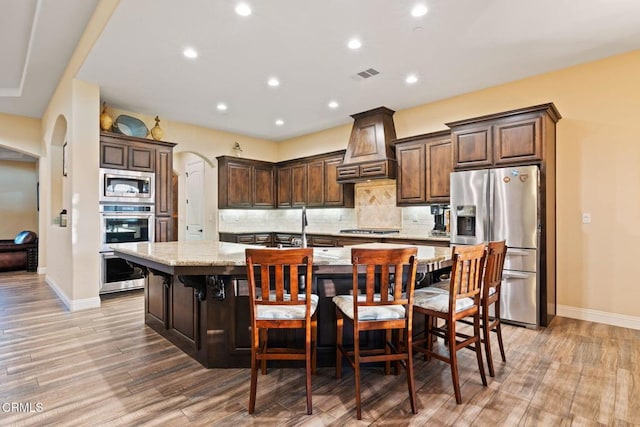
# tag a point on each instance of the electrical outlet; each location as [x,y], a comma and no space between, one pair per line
[586,218]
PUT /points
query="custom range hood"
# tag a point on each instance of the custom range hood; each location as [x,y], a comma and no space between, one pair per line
[370,154]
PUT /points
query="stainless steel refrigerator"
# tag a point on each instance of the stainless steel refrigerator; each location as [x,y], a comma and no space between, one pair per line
[503,204]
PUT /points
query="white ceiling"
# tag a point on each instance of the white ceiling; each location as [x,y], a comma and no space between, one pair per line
[457,47]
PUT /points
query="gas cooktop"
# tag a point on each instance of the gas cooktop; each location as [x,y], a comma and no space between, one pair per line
[370,231]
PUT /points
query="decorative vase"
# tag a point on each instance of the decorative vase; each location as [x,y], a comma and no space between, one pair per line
[105,119]
[156,131]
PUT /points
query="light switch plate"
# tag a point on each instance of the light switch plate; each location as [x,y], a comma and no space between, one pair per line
[586,218]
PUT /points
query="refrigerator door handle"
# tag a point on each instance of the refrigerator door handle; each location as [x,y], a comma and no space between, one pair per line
[487,184]
[518,252]
[514,275]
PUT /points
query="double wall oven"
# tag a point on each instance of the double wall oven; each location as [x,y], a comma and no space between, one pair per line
[126,215]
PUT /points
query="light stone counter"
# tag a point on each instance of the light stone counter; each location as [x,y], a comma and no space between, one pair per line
[222,254]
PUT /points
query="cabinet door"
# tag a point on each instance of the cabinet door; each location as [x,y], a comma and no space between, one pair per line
[336,194]
[472,146]
[113,156]
[316,181]
[410,185]
[141,158]
[323,241]
[263,186]
[299,185]
[164,173]
[164,229]
[182,315]
[239,185]
[284,187]
[439,167]
[518,140]
[156,298]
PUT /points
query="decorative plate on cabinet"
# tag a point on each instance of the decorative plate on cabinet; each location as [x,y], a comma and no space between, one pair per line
[130,126]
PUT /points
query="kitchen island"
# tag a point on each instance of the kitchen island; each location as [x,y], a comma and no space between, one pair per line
[196,295]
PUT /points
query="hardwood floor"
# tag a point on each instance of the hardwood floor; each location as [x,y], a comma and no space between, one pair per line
[105,367]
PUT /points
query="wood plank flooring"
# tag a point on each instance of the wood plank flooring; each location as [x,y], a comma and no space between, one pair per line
[105,367]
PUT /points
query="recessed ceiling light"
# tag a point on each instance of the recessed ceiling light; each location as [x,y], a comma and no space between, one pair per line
[419,10]
[411,79]
[190,53]
[222,106]
[279,122]
[273,82]
[354,44]
[333,104]
[243,9]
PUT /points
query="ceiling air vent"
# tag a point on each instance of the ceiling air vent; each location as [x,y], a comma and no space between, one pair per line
[365,74]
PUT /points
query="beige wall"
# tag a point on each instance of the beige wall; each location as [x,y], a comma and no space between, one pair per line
[18,208]
[198,142]
[71,253]
[21,134]
[597,162]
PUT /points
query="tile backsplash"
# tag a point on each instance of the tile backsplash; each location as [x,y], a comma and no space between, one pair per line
[375,207]
[375,204]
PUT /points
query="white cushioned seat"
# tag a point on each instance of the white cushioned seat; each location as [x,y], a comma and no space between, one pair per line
[431,290]
[274,312]
[439,302]
[381,312]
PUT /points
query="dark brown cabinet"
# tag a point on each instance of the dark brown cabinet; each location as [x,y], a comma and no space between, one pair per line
[424,165]
[125,152]
[312,181]
[510,138]
[299,180]
[264,239]
[322,241]
[284,186]
[131,153]
[309,181]
[315,183]
[245,184]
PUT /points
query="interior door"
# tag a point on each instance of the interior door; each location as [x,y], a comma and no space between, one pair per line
[194,193]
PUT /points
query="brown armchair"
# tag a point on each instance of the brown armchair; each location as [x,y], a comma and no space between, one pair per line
[20,253]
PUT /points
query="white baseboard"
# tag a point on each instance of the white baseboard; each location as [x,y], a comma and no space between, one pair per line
[73,305]
[614,319]
[42,270]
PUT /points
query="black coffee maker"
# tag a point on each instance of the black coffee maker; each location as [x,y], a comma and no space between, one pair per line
[439,213]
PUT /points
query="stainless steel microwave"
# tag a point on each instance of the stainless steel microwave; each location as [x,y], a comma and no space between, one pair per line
[118,186]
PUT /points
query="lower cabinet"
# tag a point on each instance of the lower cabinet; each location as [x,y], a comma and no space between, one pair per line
[156,299]
[319,240]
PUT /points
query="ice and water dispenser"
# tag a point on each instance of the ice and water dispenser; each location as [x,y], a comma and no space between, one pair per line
[466,220]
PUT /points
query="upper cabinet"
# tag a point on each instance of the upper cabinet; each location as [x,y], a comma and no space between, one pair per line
[126,152]
[139,154]
[244,183]
[312,181]
[510,138]
[424,165]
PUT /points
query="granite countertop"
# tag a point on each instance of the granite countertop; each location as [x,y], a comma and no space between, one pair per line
[212,253]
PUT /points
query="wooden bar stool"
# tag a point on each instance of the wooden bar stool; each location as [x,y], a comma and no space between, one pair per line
[496,252]
[285,301]
[462,300]
[386,304]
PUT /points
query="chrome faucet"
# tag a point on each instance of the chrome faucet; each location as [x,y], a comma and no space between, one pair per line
[304,227]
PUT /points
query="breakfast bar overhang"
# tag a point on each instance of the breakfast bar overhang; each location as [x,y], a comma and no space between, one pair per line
[196,295]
